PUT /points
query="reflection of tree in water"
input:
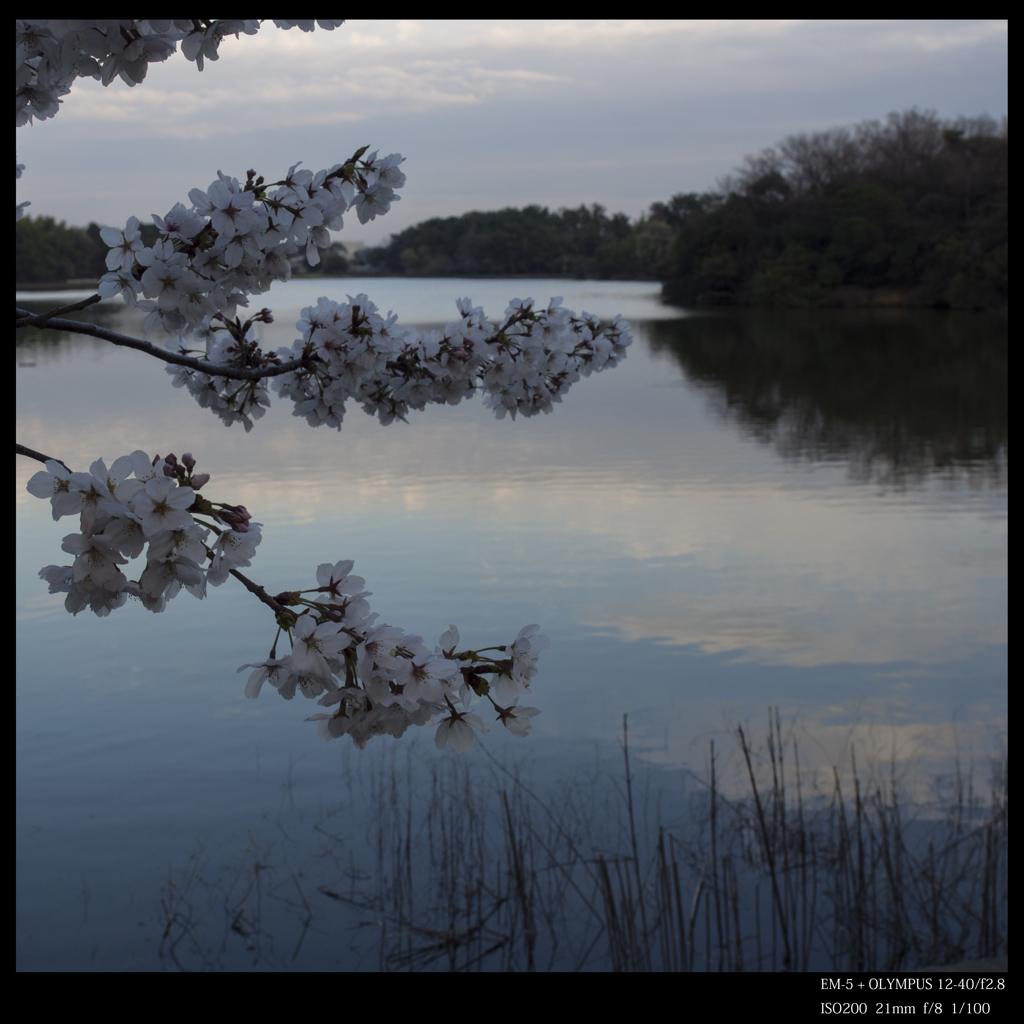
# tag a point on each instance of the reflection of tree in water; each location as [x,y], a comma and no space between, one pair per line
[33,344]
[900,394]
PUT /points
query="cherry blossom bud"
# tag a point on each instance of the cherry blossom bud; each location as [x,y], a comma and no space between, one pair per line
[236,516]
[199,480]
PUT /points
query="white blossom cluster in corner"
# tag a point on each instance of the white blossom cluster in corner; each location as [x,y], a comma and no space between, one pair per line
[51,54]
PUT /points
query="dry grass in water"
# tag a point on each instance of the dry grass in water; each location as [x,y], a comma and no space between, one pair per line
[466,870]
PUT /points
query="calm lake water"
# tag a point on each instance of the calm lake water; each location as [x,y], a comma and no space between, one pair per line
[797,509]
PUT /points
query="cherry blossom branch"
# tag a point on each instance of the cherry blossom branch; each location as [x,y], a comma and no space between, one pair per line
[391,679]
[255,588]
[32,321]
[502,666]
[213,369]
[252,587]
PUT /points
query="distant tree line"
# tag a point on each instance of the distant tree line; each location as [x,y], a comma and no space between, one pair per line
[582,242]
[912,211]
[915,205]
[49,252]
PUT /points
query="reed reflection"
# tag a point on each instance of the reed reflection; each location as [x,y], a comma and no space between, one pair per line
[759,862]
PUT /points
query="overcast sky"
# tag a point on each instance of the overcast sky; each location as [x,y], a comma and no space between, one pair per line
[492,114]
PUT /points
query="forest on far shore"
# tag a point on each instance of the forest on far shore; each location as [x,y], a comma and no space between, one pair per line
[909,211]
[914,207]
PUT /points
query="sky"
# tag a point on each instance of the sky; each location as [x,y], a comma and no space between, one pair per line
[491,114]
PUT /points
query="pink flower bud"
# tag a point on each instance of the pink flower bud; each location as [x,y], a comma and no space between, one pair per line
[199,480]
[190,463]
[236,516]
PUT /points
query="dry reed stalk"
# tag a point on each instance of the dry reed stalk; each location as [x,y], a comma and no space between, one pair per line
[465,879]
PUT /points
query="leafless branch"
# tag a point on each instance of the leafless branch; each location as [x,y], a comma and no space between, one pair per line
[203,366]
[38,456]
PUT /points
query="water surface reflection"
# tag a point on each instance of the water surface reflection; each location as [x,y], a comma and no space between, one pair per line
[700,531]
[898,394]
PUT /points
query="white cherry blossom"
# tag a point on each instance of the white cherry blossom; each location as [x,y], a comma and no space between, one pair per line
[170,574]
[62,487]
[95,561]
[162,505]
[314,644]
[457,729]
[517,720]
[124,245]
[233,549]
[337,580]
[273,670]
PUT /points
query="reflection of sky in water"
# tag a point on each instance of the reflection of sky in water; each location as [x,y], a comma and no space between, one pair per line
[684,573]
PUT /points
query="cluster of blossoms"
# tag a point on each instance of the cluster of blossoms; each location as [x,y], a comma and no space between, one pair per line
[236,239]
[381,679]
[138,502]
[50,55]
[349,351]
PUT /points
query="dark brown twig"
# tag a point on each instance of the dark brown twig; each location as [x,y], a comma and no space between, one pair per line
[255,588]
[39,456]
[42,318]
[203,366]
